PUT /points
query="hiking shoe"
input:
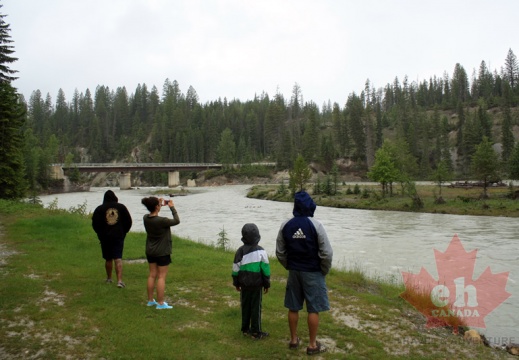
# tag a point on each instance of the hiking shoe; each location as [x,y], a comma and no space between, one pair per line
[120,284]
[316,350]
[164,306]
[152,303]
[246,333]
[259,335]
[108,281]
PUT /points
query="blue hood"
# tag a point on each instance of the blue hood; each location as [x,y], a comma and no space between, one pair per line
[303,204]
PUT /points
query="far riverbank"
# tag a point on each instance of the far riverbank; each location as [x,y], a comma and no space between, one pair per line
[468,200]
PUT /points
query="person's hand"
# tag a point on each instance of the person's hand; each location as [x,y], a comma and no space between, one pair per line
[265,290]
[238,288]
[170,203]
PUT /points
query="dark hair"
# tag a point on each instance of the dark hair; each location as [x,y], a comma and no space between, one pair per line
[150,203]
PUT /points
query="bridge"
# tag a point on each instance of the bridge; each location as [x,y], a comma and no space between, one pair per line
[124,169]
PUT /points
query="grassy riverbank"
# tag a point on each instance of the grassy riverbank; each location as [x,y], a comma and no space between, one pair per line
[54,304]
[458,201]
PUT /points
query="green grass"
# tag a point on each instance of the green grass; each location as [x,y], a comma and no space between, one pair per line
[54,304]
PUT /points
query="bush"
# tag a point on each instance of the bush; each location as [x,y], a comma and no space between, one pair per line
[223,240]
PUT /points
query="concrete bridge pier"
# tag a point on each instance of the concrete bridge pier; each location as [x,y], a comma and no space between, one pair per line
[173,179]
[56,172]
[125,181]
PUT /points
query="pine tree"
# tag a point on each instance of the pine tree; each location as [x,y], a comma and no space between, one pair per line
[511,70]
[513,163]
[507,136]
[12,169]
[299,175]
[6,52]
[384,169]
[285,154]
[296,101]
[341,136]
[274,121]
[61,115]
[485,163]
[355,112]
[328,152]
[441,174]
[311,136]
[459,85]
[227,148]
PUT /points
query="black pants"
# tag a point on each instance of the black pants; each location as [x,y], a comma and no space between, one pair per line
[251,309]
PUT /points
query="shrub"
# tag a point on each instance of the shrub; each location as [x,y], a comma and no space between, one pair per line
[223,240]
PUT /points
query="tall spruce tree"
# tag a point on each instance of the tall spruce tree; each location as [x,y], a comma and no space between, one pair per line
[513,163]
[355,112]
[12,170]
[507,135]
[6,51]
[511,70]
[227,148]
[311,136]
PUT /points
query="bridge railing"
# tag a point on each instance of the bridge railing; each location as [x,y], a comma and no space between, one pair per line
[152,165]
[136,165]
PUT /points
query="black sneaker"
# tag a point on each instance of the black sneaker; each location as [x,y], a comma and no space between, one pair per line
[259,335]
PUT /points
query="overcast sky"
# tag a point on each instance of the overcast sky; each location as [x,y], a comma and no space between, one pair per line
[239,48]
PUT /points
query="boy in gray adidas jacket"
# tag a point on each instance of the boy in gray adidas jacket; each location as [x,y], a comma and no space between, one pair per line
[251,275]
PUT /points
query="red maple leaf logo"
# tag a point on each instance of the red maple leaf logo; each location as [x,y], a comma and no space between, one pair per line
[455,298]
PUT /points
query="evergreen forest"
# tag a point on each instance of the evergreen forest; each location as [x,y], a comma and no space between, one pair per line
[429,125]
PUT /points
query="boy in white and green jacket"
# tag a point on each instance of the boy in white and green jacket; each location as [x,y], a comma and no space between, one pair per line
[251,275]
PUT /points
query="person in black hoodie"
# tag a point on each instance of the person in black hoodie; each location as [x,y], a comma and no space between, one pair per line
[251,275]
[112,221]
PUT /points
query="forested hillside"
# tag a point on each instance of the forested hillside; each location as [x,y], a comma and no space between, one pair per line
[440,119]
[405,130]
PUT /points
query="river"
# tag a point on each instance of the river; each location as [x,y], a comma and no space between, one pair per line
[380,243]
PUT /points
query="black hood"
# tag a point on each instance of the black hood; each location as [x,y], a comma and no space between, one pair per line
[250,234]
[110,197]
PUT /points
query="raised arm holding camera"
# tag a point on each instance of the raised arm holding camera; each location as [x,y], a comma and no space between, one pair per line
[158,247]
